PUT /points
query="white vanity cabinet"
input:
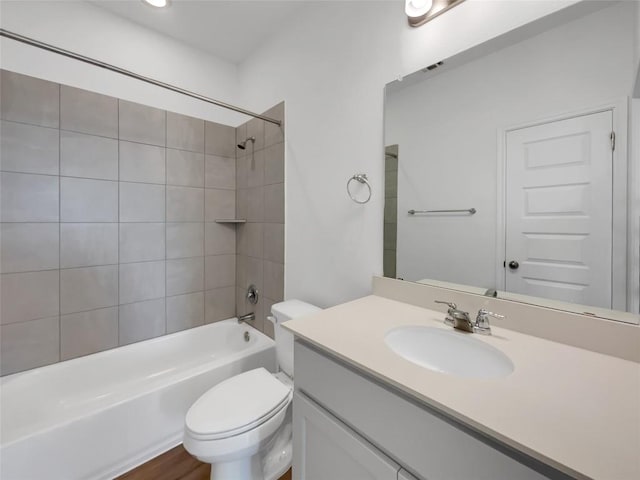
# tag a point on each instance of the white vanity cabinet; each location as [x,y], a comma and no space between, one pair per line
[348,426]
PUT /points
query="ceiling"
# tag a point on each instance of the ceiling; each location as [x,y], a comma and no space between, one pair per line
[228,29]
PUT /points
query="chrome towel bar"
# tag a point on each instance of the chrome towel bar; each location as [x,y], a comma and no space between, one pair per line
[470,211]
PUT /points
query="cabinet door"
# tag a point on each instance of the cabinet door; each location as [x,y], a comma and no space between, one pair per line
[325,448]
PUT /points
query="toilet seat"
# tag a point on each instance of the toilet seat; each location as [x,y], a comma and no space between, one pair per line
[237,405]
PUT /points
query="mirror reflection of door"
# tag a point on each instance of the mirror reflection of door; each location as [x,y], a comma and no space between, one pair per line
[558,208]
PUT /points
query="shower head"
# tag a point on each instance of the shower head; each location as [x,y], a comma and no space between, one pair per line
[243,145]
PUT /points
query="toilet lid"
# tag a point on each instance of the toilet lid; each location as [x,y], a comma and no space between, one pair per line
[237,405]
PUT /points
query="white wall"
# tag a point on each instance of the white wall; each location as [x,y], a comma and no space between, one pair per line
[331,68]
[86,29]
[446,127]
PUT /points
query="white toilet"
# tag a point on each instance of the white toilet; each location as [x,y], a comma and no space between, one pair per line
[242,426]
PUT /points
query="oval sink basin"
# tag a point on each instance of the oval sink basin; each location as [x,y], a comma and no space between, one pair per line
[448,351]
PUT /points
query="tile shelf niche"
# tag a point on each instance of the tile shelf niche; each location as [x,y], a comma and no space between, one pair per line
[230,220]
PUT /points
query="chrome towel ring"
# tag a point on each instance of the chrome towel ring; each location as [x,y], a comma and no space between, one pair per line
[361,178]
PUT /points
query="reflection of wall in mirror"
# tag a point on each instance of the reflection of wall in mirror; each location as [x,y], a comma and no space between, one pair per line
[447,130]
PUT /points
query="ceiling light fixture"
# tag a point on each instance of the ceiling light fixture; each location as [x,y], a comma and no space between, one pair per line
[420,12]
[157,3]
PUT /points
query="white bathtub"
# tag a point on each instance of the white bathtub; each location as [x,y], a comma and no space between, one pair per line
[99,416]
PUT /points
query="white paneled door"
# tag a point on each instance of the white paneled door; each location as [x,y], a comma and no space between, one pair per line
[559,210]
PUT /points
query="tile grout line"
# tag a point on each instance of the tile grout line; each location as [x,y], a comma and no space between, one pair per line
[118,239]
[204,223]
[237,227]
[108,307]
[117,137]
[111,180]
[59,225]
[166,135]
[102,223]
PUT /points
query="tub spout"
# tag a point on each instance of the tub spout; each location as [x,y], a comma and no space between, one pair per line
[249,317]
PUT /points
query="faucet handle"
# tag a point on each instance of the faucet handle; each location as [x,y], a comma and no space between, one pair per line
[483,312]
[451,305]
[482,320]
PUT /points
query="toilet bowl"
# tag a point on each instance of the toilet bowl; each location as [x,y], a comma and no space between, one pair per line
[242,426]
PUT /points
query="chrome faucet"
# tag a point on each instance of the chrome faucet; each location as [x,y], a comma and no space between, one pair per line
[249,317]
[460,319]
[457,318]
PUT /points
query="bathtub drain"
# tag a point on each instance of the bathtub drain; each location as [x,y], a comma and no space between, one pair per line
[247,337]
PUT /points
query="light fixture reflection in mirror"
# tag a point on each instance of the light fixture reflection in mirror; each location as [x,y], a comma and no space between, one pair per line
[420,12]
[417,8]
[156,3]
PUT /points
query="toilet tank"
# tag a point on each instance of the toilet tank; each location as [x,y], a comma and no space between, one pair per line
[283,312]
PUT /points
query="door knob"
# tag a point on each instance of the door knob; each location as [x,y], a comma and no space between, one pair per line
[513,265]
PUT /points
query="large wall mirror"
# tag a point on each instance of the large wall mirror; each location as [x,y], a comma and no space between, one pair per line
[511,169]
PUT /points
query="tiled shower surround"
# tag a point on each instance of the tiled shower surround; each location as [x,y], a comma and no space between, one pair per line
[108,232]
[260,200]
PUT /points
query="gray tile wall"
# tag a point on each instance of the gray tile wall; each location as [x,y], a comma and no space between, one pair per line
[107,232]
[260,200]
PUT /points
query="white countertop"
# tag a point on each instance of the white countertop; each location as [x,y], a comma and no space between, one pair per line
[575,410]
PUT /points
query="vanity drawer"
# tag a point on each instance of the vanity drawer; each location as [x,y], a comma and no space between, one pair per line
[424,442]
